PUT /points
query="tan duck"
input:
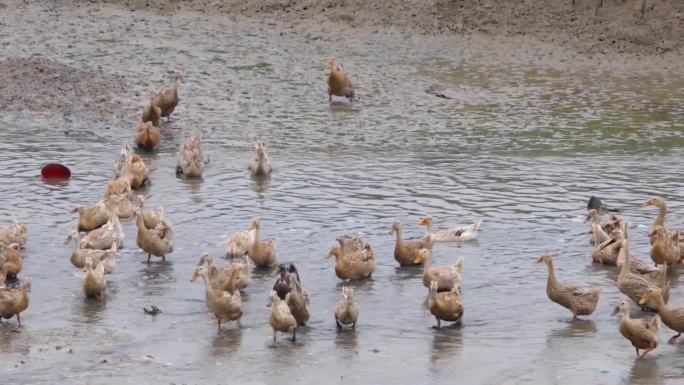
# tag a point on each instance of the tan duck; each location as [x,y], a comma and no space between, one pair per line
[104,237]
[353,258]
[408,252]
[261,165]
[281,318]
[10,260]
[635,286]
[152,241]
[15,233]
[672,318]
[642,333]
[338,81]
[224,305]
[245,269]
[78,256]
[239,243]
[156,220]
[298,302]
[665,246]
[94,281]
[463,233]
[121,205]
[606,252]
[14,301]
[657,275]
[221,278]
[580,300]
[445,306]
[600,230]
[137,172]
[121,164]
[262,253]
[167,98]
[120,186]
[191,159]
[93,217]
[446,276]
[148,136]
[151,112]
[346,311]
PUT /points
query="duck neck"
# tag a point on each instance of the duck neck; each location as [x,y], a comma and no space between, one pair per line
[660,219]
[624,271]
[139,220]
[397,230]
[551,281]
[430,228]
[427,262]
[256,233]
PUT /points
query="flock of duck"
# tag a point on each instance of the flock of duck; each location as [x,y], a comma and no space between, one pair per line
[96,251]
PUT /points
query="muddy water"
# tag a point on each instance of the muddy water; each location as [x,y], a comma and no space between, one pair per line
[519,147]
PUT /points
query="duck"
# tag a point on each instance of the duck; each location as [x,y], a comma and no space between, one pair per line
[167,98]
[121,205]
[151,112]
[346,311]
[407,253]
[13,301]
[635,286]
[665,246]
[137,172]
[463,233]
[221,278]
[148,136]
[118,186]
[446,276]
[656,275]
[245,269]
[601,229]
[238,243]
[298,302]
[642,333]
[225,306]
[104,237]
[156,220]
[14,233]
[94,281]
[580,300]
[606,252]
[11,262]
[152,241]
[285,276]
[672,318]
[262,253]
[661,204]
[261,165]
[91,218]
[355,261]
[281,318]
[123,161]
[339,83]
[446,305]
[78,256]
[190,159]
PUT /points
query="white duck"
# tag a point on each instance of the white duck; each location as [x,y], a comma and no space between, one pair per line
[463,233]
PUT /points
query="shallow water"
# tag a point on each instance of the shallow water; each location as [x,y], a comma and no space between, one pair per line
[519,147]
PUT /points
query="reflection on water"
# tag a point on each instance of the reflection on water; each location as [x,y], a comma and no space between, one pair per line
[520,148]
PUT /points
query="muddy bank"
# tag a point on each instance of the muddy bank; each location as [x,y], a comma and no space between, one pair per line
[34,85]
[585,27]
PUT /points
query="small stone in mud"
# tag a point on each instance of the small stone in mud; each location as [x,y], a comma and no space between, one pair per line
[375,350]
[58,347]
[153,310]
[71,350]
[103,361]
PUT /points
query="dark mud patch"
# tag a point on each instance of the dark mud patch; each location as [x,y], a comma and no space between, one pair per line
[35,85]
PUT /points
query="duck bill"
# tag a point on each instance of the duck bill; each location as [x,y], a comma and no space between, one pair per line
[392,231]
[194,277]
[423,221]
[608,243]
[645,204]
[643,299]
[615,311]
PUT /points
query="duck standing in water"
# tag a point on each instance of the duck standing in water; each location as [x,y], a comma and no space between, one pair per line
[167,98]
[339,83]
[261,165]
